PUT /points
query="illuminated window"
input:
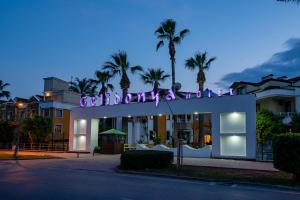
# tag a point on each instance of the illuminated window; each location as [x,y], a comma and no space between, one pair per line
[233,122]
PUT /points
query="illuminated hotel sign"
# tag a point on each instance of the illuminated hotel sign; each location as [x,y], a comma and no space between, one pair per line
[141,98]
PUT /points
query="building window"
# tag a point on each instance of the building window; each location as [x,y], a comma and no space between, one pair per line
[59,113]
[58,129]
[47,112]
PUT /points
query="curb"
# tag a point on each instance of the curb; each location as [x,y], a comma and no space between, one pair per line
[222,182]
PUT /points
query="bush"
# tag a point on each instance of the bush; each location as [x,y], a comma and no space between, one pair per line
[146,159]
[97,149]
[286,153]
[156,140]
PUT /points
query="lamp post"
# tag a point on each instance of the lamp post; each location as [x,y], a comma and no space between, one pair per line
[180,142]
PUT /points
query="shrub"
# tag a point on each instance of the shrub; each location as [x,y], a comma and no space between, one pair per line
[97,149]
[143,159]
[156,140]
[286,153]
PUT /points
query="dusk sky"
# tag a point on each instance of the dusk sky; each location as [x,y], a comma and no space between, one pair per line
[250,38]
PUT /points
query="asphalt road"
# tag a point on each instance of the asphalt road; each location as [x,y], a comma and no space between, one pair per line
[67,179]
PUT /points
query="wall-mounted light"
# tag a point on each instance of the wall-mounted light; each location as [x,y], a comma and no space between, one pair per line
[129,116]
[196,113]
[20,105]
[160,115]
[47,94]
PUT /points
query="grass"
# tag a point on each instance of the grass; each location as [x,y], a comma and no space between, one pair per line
[9,156]
[229,175]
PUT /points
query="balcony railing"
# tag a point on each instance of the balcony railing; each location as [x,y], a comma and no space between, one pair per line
[286,114]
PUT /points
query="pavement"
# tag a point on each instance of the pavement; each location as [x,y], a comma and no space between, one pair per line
[91,177]
[205,162]
[229,163]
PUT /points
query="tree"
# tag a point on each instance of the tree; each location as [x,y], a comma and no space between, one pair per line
[102,79]
[167,32]
[83,86]
[154,77]
[6,132]
[200,62]
[295,124]
[3,92]
[119,65]
[37,128]
[267,125]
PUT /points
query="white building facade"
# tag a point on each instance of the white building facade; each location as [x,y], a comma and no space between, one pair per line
[233,127]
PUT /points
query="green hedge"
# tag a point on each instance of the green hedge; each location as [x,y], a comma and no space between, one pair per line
[97,149]
[146,159]
[286,153]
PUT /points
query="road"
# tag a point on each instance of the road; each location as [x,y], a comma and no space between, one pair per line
[70,179]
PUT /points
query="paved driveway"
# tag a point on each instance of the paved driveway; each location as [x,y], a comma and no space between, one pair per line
[94,178]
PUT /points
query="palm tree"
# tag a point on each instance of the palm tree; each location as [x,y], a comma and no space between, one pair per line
[83,86]
[102,79]
[200,62]
[3,92]
[167,32]
[154,77]
[119,65]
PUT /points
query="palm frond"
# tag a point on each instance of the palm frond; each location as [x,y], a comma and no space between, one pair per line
[190,63]
[177,40]
[159,44]
[183,33]
[136,68]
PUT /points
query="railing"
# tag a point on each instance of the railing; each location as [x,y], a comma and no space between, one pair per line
[286,114]
[44,147]
[128,147]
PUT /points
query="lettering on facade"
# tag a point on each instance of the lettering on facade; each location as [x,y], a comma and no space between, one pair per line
[141,97]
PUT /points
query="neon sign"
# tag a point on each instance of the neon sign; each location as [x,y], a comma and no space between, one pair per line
[141,97]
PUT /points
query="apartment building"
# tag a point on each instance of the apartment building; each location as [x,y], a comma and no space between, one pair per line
[56,104]
[281,95]
[17,109]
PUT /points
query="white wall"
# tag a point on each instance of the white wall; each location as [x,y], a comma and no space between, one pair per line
[214,105]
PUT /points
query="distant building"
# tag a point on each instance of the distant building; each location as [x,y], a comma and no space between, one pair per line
[280,95]
[56,104]
[17,109]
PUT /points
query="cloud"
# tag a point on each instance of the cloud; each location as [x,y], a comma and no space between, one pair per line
[285,63]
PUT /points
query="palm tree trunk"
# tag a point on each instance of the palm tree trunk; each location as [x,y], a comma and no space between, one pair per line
[201,89]
[172,58]
[103,98]
[124,93]
[201,117]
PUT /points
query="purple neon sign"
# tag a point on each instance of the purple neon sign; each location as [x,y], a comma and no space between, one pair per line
[141,97]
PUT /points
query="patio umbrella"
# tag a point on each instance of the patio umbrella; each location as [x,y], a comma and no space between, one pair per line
[113,132]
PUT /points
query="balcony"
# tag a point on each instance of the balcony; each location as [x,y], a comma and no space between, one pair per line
[275,93]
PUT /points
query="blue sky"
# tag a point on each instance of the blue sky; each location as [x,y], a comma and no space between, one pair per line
[74,38]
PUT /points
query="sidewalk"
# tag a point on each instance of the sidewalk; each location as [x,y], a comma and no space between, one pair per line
[227,163]
[89,161]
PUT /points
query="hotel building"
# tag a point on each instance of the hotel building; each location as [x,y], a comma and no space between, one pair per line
[228,123]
